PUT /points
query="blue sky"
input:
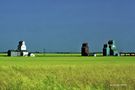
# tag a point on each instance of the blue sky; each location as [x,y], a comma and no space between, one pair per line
[63,25]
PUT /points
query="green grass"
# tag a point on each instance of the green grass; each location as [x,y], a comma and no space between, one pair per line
[67,73]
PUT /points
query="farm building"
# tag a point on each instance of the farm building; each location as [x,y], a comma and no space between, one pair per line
[85,49]
[21,50]
[17,53]
[110,49]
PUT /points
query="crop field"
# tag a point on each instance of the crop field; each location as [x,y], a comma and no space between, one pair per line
[67,72]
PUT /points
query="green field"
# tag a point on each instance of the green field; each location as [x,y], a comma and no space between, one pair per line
[67,72]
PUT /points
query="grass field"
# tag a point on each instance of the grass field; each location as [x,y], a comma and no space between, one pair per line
[67,72]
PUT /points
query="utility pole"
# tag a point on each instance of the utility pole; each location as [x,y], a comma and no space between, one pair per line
[44,51]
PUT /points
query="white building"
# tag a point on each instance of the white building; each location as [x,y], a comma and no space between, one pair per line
[21,50]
